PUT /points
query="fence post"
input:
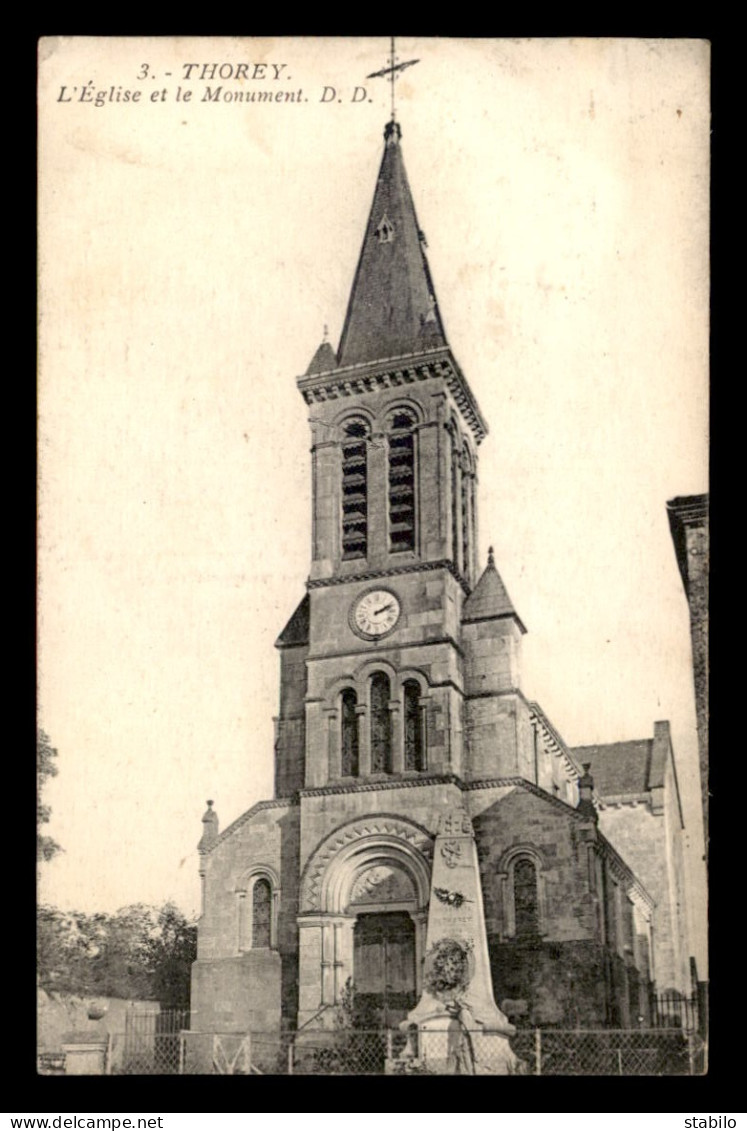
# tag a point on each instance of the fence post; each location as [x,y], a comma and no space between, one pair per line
[181,1054]
[690,1055]
[619,1062]
[290,1057]
[537,1052]
[389,1044]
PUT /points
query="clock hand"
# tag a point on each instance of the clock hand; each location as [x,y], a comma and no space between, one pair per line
[383,609]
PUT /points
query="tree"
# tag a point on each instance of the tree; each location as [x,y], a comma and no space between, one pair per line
[174,949]
[46,847]
[140,953]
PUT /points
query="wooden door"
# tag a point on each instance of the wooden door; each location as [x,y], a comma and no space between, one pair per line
[384,968]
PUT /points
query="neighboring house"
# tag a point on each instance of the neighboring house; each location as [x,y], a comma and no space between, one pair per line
[688,521]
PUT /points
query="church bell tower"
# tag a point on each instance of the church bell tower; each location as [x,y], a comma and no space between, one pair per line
[372,663]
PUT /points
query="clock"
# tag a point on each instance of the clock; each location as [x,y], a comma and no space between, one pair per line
[375,613]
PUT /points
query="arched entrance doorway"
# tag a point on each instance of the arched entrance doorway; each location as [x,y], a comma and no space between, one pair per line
[383,900]
[363,886]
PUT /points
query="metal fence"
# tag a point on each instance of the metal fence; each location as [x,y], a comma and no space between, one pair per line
[150,1045]
[673,1011]
[610,1052]
[356,1052]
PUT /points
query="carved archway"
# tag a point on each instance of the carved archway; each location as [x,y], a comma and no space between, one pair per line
[334,865]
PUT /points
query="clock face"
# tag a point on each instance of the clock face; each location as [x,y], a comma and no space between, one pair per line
[375,613]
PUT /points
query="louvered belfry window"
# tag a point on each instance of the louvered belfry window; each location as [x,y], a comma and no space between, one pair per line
[381,725]
[402,481]
[350,750]
[355,489]
[261,913]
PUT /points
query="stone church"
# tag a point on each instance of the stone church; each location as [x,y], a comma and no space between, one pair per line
[401,705]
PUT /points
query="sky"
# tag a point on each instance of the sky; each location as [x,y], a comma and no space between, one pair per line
[191,255]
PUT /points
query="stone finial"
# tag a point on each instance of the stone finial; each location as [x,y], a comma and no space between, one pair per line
[392,132]
[209,829]
[491,558]
[586,794]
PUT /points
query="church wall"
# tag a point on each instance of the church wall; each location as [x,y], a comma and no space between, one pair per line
[499,740]
[238,994]
[236,986]
[542,984]
[321,815]
[258,841]
[523,818]
[290,735]
[640,838]
[431,603]
[557,977]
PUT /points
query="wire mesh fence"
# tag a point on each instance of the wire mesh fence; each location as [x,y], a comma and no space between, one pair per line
[610,1052]
[358,1052]
[150,1044]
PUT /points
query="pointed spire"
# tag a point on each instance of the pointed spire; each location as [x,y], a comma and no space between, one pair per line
[393,308]
[489,599]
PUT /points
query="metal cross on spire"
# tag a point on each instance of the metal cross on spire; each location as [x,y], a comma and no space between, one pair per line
[393,71]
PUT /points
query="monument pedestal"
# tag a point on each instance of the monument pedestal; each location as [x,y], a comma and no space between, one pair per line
[456,1027]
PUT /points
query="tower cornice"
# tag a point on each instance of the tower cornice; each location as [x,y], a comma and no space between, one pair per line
[395,372]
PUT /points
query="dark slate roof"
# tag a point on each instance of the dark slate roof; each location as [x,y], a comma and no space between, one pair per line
[296,630]
[489,599]
[392,309]
[619,767]
[323,360]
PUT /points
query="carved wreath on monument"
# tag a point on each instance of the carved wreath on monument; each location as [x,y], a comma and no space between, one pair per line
[449,968]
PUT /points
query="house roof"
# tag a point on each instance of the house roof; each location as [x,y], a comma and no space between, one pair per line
[633,767]
[618,767]
[392,309]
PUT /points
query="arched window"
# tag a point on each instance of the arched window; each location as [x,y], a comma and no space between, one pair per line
[526,898]
[349,750]
[522,886]
[355,489]
[414,736]
[262,913]
[257,895]
[402,481]
[381,725]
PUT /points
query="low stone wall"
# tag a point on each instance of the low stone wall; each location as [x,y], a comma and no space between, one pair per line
[60,1015]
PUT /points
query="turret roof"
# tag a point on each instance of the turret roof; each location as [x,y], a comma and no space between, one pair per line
[489,599]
